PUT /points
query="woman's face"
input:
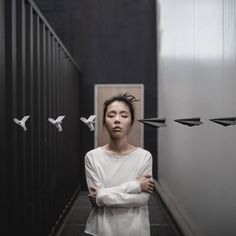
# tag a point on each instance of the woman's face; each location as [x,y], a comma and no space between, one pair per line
[118,119]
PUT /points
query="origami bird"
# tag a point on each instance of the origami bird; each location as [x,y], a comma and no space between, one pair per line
[89,122]
[57,122]
[22,122]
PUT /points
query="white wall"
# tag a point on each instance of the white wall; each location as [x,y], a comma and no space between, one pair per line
[197,78]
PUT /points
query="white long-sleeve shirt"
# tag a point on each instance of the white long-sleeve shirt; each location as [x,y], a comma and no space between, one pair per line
[122,206]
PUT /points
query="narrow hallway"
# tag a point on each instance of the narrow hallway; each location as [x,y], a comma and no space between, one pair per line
[62,60]
[160,220]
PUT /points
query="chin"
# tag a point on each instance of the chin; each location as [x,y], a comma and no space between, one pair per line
[117,135]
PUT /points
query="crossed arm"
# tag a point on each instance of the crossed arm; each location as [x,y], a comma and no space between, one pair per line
[129,194]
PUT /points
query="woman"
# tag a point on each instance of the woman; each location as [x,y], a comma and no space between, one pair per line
[119,177]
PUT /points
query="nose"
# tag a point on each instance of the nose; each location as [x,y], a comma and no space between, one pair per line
[117,119]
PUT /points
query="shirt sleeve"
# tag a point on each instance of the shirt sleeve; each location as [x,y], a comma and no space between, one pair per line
[93,180]
[119,199]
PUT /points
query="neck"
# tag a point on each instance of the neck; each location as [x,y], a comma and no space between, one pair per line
[118,145]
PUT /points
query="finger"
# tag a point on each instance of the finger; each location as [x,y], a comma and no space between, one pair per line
[151,187]
[150,190]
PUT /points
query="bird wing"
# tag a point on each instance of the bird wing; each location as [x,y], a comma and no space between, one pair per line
[16,121]
[51,120]
[84,120]
[59,127]
[60,118]
[25,118]
[91,118]
[23,126]
[91,127]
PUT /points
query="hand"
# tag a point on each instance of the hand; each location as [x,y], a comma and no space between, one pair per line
[92,196]
[146,183]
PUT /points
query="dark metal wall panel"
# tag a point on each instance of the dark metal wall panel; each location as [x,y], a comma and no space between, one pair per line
[36,94]
[29,110]
[3,184]
[43,128]
[49,130]
[11,100]
[36,79]
[20,43]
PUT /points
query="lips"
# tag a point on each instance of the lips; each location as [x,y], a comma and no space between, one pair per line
[117,128]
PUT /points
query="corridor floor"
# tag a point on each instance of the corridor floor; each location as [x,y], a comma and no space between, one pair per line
[161,222]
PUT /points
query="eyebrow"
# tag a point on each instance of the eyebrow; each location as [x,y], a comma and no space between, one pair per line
[118,112]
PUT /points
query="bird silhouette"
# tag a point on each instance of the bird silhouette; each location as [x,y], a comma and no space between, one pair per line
[89,122]
[57,122]
[21,122]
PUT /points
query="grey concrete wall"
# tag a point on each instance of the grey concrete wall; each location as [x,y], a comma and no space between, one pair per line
[196,78]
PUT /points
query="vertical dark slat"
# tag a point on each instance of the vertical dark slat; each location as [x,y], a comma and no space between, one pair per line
[14,88]
[40,128]
[43,127]
[68,134]
[20,30]
[29,109]
[35,112]
[51,171]
[65,97]
[60,207]
[47,127]
[20,222]
[50,114]
[3,198]
[57,134]
[67,118]
[61,141]
[71,167]
[76,124]
[73,124]
[62,73]
[65,112]
[22,12]
[15,112]
[60,166]
[36,88]
[70,111]
[54,144]
[11,135]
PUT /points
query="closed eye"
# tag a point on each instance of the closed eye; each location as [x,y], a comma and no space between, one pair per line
[110,116]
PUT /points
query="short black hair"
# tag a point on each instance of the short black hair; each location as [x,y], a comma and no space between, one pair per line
[128,99]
